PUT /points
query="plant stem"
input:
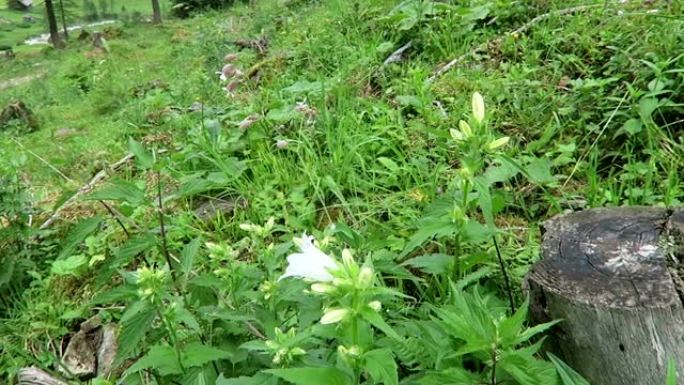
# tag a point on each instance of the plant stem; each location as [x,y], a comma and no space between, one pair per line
[162,229]
[507,281]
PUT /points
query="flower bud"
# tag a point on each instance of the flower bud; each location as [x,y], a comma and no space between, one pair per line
[465,128]
[365,276]
[456,135]
[375,305]
[478,107]
[334,315]
[322,288]
[494,144]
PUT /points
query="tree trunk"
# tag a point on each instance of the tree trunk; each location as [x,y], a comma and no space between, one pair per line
[64,26]
[156,12]
[52,24]
[615,278]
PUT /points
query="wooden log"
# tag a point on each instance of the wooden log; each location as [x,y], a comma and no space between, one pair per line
[35,376]
[615,278]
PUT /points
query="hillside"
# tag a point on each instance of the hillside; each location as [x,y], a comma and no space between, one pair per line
[421,144]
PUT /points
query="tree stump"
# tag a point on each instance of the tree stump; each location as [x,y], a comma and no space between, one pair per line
[614,276]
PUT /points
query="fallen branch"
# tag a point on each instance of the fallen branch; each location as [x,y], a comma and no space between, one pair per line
[86,188]
[445,68]
[397,55]
[35,376]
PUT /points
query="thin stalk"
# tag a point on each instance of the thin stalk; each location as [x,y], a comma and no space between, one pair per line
[162,229]
[507,281]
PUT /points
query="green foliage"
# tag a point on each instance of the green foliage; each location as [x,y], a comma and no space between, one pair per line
[427,202]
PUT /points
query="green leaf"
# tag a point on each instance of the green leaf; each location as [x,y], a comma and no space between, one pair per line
[451,376]
[78,235]
[160,358]
[510,327]
[671,378]
[120,190]
[570,377]
[199,376]
[257,379]
[381,366]
[133,331]
[69,266]
[305,87]
[142,156]
[539,171]
[428,229]
[526,369]
[431,264]
[187,257]
[197,354]
[312,376]
[376,320]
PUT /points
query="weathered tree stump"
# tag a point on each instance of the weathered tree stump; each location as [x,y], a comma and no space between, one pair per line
[614,276]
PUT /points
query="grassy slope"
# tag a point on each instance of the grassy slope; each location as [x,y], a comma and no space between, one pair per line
[377,153]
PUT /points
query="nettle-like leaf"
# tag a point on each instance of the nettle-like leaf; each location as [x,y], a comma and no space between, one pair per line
[257,379]
[78,234]
[312,376]
[143,158]
[526,369]
[451,376]
[162,359]
[431,264]
[120,190]
[69,266]
[381,366]
[198,354]
[569,376]
[134,329]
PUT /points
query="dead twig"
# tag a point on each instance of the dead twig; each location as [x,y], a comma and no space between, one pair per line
[522,29]
[104,173]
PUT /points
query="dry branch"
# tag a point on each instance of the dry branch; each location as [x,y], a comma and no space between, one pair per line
[87,188]
[35,376]
[567,11]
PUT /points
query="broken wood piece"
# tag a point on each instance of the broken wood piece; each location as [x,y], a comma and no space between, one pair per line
[35,376]
[567,11]
[614,276]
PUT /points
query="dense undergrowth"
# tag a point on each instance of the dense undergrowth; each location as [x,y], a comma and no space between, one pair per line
[420,191]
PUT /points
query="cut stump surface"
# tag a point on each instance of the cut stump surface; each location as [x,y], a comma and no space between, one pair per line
[614,276]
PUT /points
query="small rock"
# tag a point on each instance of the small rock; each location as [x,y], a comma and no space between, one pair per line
[107,350]
[196,107]
[65,133]
[80,357]
[209,210]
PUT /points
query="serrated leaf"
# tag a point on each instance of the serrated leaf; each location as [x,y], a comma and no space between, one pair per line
[311,376]
[79,233]
[305,87]
[69,266]
[438,227]
[539,171]
[187,257]
[257,379]
[568,375]
[120,190]
[381,366]
[431,264]
[160,358]
[133,331]
[198,354]
[142,156]
[376,320]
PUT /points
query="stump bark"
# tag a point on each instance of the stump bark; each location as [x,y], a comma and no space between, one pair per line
[614,276]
